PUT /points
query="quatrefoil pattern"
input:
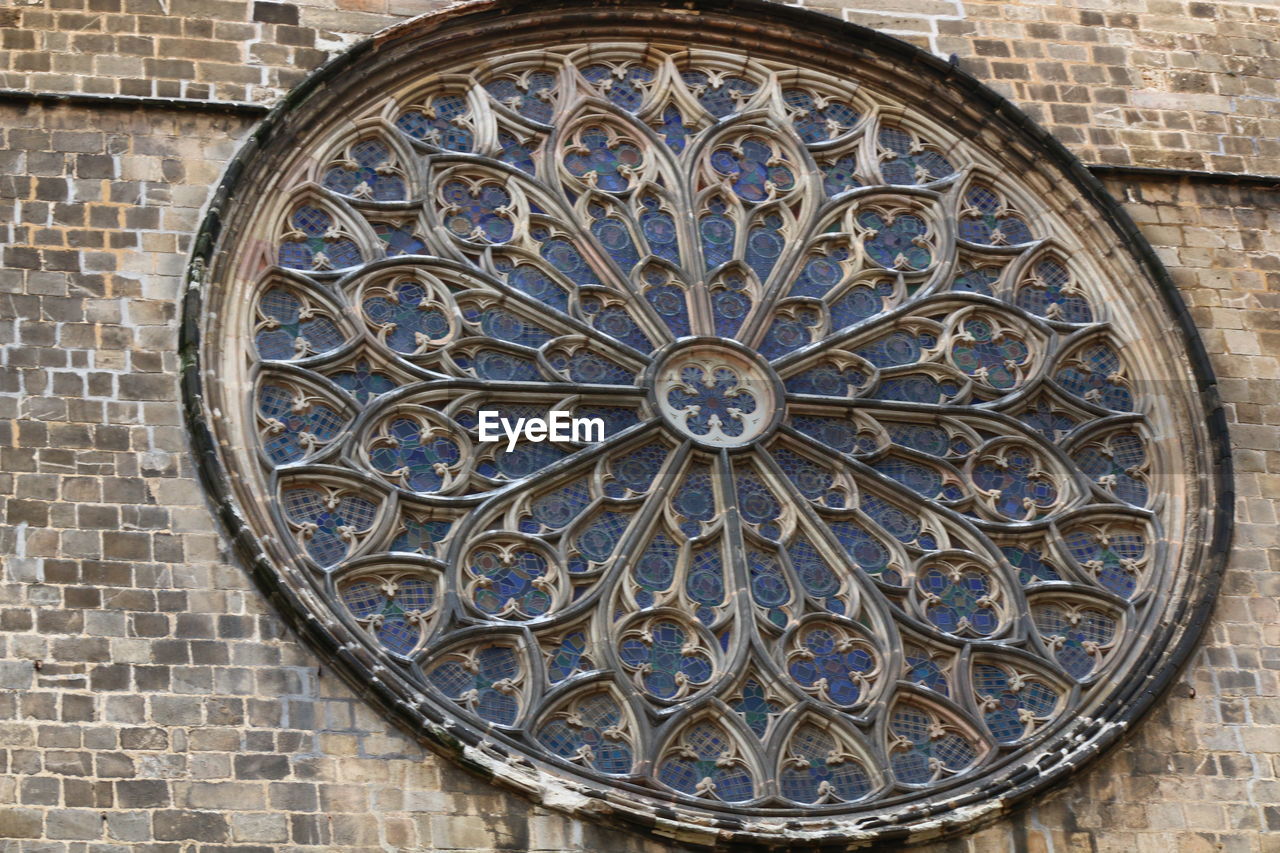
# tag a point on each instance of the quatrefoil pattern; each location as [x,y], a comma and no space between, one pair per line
[875,499]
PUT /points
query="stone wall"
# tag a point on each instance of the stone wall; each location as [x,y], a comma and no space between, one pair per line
[1185,83]
[148,694]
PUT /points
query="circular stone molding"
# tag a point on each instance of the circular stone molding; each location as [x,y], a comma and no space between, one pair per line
[718,395]
[913,493]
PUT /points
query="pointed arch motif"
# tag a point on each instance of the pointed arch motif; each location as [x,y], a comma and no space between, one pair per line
[903,482]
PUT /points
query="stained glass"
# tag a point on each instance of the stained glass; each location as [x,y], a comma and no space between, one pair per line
[852,529]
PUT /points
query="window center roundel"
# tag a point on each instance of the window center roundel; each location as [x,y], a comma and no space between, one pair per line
[900,475]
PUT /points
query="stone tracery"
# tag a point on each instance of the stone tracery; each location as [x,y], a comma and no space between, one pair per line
[874,509]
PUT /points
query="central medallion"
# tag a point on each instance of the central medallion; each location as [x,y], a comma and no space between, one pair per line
[717,394]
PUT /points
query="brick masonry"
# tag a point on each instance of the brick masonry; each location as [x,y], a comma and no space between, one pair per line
[1182,83]
[150,698]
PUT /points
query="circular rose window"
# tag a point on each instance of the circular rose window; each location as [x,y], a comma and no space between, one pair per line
[894,496]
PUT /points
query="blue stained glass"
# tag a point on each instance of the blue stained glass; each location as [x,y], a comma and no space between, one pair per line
[659,230]
[598,539]
[316,244]
[1117,465]
[986,220]
[840,175]
[592,733]
[790,333]
[477,212]
[896,522]
[819,119]
[749,171]
[568,657]
[832,665]
[812,479]
[410,317]
[926,439]
[664,654]
[756,503]
[916,476]
[399,241]
[420,536]
[859,303]
[1049,421]
[524,460]
[721,98]
[510,586]
[959,602]
[827,379]
[976,280]
[500,366]
[593,369]
[673,129]
[516,153]
[769,585]
[815,573]
[669,301]
[1113,557]
[611,162]
[443,123]
[764,246]
[615,238]
[1004,702]
[507,326]
[532,281]
[927,747]
[634,471]
[531,97]
[324,537]
[730,303]
[616,418]
[716,401]
[896,348]
[718,234]
[820,273]
[1077,639]
[817,768]
[705,584]
[655,569]
[1046,295]
[1096,376]
[285,334]
[836,433]
[1017,486]
[1030,564]
[754,707]
[907,162]
[676,548]
[917,388]
[624,87]
[486,687]
[990,355]
[897,243]
[396,628]
[556,509]
[368,175]
[418,459]
[922,669]
[295,424]
[616,322]
[867,552]
[703,766]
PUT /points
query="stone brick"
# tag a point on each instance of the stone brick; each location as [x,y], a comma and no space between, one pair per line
[103,214]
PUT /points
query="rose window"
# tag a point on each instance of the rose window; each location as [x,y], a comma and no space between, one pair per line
[901,473]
